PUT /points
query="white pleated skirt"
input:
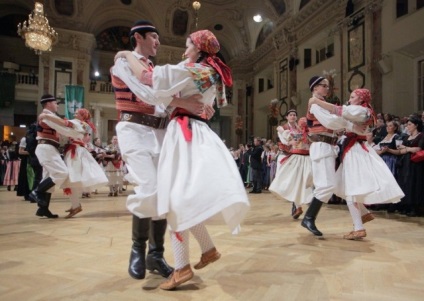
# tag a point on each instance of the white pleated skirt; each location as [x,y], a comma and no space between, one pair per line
[84,171]
[365,178]
[293,181]
[198,181]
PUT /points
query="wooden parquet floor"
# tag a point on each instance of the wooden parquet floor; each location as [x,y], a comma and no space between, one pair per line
[273,258]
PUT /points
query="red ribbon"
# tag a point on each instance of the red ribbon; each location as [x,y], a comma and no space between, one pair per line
[284,159]
[223,70]
[178,236]
[184,122]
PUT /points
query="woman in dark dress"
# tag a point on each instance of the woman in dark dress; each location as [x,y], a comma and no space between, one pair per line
[389,142]
[410,174]
[23,185]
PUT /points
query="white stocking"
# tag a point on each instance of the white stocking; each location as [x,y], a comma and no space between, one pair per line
[180,247]
[202,236]
[74,197]
[355,213]
[363,209]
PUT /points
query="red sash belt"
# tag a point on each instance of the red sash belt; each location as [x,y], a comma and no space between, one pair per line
[299,151]
[72,147]
[351,139]
[183,119]
[295,151]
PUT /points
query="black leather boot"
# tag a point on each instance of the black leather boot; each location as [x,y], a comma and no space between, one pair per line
[44,210]
[311,214]
[293,210]
[36,194]
[155,260]
[140,234]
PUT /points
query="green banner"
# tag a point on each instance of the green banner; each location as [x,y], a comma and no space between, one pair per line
[74,100]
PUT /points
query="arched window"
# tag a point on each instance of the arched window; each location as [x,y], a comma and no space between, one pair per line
[64,7]
[9,24]
[279,6]
[114,39]
[303,3]
[180,22]
[265,32]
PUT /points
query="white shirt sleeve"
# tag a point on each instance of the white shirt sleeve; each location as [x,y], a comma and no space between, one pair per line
[284,137]
[23,143]
[144,92]
[355,113]
[330,121]
[168,80]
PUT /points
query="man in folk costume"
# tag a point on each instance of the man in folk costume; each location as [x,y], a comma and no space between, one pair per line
[323,153]
[140,134]
[55,171]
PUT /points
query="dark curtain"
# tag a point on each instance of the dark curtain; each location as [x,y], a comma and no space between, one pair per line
[7,89]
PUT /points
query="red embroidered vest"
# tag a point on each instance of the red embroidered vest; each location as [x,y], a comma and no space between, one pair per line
[315,127]
[126,100]
[46,132]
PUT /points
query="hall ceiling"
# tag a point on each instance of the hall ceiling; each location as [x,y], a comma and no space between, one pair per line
[238,35]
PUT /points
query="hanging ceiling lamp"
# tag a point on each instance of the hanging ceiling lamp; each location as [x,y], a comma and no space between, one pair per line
[196,7]
[36,32]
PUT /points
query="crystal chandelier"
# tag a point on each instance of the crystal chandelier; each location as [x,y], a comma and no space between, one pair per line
[37,32]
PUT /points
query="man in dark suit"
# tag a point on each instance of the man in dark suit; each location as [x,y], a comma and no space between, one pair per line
[256,165]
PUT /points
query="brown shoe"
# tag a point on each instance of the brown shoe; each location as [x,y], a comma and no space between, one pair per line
[367,218]
[177,278]
[297,213]
[208,257]
[355,235]
[74,211]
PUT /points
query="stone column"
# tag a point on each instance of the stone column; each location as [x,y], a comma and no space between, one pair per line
[98,121]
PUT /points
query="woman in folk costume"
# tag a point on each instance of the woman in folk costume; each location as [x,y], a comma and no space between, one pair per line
[190,147]
[293,181]
[363,176]
[84,171]
[113,166]
[285,147]
[12,165]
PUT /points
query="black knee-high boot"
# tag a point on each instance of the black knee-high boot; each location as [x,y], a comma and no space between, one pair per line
[43,210]
[140,234]
[311,214]
[37,195]
[154,259]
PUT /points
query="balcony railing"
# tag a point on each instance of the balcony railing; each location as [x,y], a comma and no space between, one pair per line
[101,87]
[26,79]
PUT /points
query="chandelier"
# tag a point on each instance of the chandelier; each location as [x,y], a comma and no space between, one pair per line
[196,7]
[36,32]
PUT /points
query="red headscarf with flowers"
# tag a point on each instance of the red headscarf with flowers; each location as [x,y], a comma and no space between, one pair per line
[85,115]
[365,96]
[206,41]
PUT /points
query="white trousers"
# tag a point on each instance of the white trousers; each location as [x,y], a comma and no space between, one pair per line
[323,159]
[53,164]
[140,147]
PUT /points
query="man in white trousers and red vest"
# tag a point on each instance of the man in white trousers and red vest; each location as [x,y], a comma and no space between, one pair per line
[55,171]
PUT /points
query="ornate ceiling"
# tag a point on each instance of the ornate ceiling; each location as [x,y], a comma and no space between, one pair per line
[231,20]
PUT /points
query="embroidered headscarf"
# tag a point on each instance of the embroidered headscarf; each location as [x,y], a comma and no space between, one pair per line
[206,41]
[85,115]
[365,96]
